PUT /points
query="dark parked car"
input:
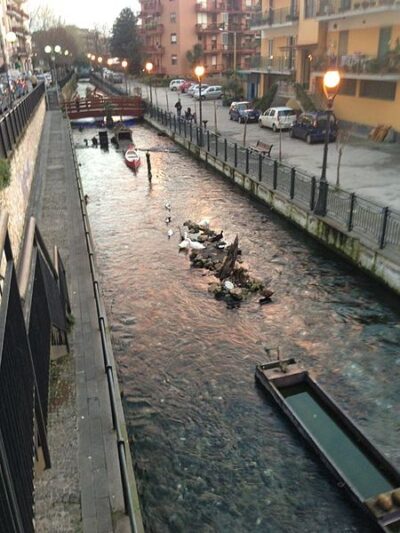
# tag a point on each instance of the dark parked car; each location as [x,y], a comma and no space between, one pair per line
[243,112]
[311,127]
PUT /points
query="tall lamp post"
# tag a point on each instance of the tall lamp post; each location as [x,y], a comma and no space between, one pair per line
[331,84]
[124,64]
[149,67]
[199,72]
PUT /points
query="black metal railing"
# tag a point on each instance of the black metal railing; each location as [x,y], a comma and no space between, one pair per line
[14,121]
[112,380]
[369,220]
[26,321]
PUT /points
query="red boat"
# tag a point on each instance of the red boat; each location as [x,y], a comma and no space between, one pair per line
[132,158]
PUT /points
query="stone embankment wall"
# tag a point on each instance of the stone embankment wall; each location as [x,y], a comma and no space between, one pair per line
[69,89]
[14,198]
[381,264]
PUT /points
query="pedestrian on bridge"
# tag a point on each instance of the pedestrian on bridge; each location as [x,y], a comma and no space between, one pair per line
[77,102]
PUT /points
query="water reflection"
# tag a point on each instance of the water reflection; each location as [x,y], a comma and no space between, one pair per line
[213,453]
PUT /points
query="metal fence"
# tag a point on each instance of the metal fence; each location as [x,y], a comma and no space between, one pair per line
[369,220]
[14,121]
[26,321]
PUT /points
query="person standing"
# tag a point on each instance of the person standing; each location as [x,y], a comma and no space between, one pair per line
[178,107]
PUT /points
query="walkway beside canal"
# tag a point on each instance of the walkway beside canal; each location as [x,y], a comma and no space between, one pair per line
[82,490]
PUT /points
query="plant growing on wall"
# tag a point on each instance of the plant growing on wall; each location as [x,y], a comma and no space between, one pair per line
[5,173]
[265,101]
[302,96]
[194,55]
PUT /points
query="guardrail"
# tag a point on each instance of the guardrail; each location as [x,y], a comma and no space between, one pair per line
[371,221]
[122,444]
[14,121]
[31,310]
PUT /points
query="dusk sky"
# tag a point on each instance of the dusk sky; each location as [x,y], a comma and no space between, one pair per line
[86,13]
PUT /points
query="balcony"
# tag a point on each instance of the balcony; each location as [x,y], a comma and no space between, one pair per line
[361,66]
[213,49]
[273,65]
[154,50]
[153,29]
[151,7]
[334,9]
[207,28]
[208,7]
[283,16]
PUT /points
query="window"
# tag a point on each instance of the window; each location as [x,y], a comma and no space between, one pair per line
[381,90]
[172,18]
[173,38]
[310,8]
[174,59]
[348,87]
[270,48]
[385,35]
[213,61]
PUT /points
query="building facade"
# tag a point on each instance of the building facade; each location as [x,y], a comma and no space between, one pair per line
[300,39]
[15,35]
[219,28]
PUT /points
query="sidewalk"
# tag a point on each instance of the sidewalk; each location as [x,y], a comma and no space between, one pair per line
[368,169]
[82,491]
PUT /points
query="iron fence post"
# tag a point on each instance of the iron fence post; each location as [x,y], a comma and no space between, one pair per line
[385,213]
[225,150]
[174,123]
[275,178]
[235,154]
[208,140]
[350,221]
[185,128]
[292,181]
[216,144]
[312,195]
[191,132]
[260,160]
[247,160]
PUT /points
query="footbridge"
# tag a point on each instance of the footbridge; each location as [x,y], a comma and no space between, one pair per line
[129,106]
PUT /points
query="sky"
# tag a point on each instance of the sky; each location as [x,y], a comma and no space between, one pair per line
[86,13]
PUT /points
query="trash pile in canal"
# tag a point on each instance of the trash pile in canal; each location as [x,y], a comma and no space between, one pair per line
[209,250]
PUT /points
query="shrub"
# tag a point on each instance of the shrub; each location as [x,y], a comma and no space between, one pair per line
[265,101]
[301,95]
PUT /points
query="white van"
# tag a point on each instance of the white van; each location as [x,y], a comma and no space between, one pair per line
[174,84]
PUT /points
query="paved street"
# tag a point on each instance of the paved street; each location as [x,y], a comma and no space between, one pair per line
[370,169]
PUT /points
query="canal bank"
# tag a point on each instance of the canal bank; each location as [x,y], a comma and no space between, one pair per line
[91,478]
[382,263]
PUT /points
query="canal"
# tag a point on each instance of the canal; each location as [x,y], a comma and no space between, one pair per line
[213,453]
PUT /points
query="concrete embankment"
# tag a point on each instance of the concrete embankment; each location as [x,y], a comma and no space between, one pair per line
[83,490]
[382,264]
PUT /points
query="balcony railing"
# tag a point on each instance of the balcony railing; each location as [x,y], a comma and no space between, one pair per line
[360,63]
[151,7]
[207,28]
[332,8]
[153,28]
[208,7]
[272,17]
[155,50]
[281,64]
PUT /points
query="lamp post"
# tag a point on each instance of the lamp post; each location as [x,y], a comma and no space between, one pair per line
[124,64]
[149,67]
[199,71]
[331,84]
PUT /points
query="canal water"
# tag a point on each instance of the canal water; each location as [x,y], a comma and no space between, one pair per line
[213,453]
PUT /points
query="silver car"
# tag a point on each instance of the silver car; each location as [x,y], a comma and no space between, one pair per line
[213,92]
[278,118]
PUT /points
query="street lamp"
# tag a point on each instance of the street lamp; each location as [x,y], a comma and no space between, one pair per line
[199,72]
[331,83]
[149,67]
[124,65]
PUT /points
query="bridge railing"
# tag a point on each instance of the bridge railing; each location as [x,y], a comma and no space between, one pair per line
[31,307]
[101,106]
[377,224]
[14,121]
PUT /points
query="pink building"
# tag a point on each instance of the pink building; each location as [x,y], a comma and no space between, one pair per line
[171,28]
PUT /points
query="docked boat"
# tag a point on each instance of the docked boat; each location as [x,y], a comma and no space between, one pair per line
[364,473]
[132,158]
[121,134]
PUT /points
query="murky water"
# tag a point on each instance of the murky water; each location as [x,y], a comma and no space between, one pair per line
[213,452]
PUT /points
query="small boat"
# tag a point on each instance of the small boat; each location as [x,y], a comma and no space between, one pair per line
[132,158]
[363,472]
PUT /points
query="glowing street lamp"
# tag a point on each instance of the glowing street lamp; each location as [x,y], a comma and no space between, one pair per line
[124,65]
[199,72]
[331,83]
[149,67]
[109,62]
[57,49]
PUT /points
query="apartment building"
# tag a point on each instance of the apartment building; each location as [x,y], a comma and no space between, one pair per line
[14,27]
[361,38]
[221,28]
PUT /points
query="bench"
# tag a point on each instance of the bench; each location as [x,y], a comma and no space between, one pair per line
[262,148]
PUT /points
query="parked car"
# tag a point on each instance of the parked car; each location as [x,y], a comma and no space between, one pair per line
[213,92]
[243,112]
[195,87]
[116,77]
[311,127]
[174,84]
[278,118]
[183,87]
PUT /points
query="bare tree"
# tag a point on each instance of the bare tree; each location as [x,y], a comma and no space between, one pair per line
[43,18]
[342,140]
